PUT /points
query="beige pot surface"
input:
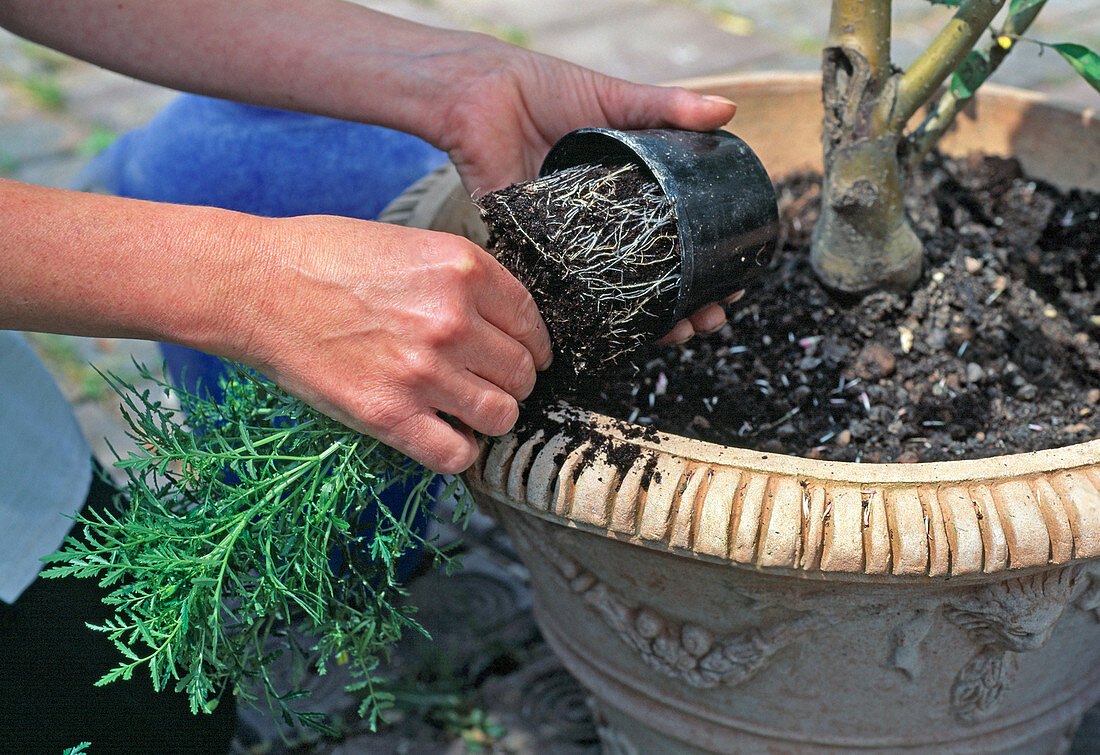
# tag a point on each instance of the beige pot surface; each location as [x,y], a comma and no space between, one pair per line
[680,564]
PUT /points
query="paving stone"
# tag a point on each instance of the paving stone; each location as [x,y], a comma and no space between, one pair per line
[58,171]
[413,10]
[117,355]
[792,20]
[25,140]
[542,18]
[656,44]
[110,100]
[19,58]
[543,708]
[103,431]
[1087,739]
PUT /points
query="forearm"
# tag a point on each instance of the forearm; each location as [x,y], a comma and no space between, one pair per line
[327,57]
[92,265]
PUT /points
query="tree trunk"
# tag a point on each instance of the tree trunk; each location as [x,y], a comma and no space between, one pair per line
[863,240]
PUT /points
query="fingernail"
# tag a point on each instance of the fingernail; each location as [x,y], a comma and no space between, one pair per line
[721,100]
[734,297]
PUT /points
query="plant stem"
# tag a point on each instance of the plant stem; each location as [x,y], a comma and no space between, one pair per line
[941,57]
[951,102]
[863,26]
[863,239]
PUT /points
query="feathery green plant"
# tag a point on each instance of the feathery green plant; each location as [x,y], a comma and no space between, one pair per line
[247,525]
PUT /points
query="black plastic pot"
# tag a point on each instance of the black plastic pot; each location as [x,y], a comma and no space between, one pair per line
[723,199]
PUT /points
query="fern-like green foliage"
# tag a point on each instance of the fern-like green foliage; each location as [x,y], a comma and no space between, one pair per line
[246,525]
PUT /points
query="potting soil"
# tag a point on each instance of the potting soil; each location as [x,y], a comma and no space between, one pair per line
[996,350]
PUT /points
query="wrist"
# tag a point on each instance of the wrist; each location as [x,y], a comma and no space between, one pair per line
[444,90]
[232,298]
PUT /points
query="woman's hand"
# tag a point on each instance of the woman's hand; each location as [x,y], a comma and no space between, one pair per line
[411,336]
[506,106]
[414,337]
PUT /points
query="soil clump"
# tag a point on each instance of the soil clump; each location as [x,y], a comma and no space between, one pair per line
[597,247]
[997,349]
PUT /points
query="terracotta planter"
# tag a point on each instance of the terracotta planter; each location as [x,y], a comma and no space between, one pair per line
[726,600]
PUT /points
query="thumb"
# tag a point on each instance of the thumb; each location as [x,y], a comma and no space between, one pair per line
[640,106]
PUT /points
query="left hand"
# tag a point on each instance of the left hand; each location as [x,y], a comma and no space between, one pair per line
[507,106]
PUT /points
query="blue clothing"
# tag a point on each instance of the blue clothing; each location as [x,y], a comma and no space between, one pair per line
[203,151]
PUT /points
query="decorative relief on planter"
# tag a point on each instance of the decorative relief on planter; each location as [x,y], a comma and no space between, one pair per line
[681,650]
[613,741]
[772,519]
[1090,596]
[905,641]
[1014,616]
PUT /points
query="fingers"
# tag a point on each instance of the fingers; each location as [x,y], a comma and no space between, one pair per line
[432,441]
[475,402]
[679,334]
[708,319]
[405,415]
[499,359]
[637,106]
[699,112]
[506,304]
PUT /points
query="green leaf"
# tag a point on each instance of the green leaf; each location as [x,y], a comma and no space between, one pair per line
[952,3]
[1084,61]
[970,75]
[1019,6]
[112,675]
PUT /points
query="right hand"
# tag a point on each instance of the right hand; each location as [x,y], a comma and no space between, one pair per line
[384,328]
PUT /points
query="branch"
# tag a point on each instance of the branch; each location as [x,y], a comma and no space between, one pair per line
[863,26]
[955,98]
[856,67]
[942,56]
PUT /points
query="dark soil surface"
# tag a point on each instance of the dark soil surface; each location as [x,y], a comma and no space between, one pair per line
[997,349]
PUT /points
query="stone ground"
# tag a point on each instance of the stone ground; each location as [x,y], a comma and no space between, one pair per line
[497,687]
